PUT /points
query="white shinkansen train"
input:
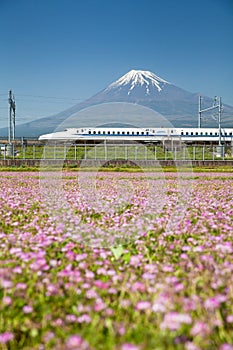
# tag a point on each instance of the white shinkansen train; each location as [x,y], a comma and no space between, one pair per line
[190,135]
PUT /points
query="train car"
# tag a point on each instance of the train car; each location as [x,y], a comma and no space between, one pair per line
[152,135]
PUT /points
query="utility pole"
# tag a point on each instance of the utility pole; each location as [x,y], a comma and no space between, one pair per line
[199,112]
[219,120]
[12,107]
[216,105]
[11,123]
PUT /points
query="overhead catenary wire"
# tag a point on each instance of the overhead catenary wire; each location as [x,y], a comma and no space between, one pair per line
[51,97]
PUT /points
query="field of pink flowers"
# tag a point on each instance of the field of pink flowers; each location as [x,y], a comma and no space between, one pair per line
[164,282]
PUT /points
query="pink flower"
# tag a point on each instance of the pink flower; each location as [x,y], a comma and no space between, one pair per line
[22,286]
[71,318]
[138,287]
[214,302]
[199,328]
[58,322]
[135,260]
[143,305]
[48,336]
[75,342]
[128,346]
[229,319]
[6,284]
[91,294]
[5,337]
[27,309]
[191,346]
[17,269]
[226,347]
[6,300]
[84,319]
[173,321]
[89,274]
[99,305]
[158,307]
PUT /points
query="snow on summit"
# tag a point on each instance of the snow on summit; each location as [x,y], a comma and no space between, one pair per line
[141,78]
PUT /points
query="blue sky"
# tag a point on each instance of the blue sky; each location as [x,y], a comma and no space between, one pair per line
[55,53]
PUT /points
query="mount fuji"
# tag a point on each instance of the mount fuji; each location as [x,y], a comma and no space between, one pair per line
[138,87]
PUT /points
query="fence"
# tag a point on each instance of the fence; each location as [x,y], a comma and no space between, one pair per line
[105,151]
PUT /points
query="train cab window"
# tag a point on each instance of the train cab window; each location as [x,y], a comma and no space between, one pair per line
[187,133]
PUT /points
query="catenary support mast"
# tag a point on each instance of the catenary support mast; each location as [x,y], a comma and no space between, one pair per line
[11,121]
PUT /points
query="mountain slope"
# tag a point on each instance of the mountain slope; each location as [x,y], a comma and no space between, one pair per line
[144,88]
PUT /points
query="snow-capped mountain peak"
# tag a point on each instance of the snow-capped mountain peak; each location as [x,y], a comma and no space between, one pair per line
[141,78]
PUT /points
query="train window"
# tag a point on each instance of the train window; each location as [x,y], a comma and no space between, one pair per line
[127,132]
[211,133]
[123,133]
[216,134]
[182,133]
[206,133]
[113,132]
[142,132]
[132,132]
[99,132]
[94,132]
[89,132]
[104,132]
[109,132]
[191,133]
[201,133]
[118,132]
[137,132]
[197,133]
[187,133]
[230,133]
[147,133]
[225,133]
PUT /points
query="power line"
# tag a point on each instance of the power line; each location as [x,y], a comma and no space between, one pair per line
[52,97]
